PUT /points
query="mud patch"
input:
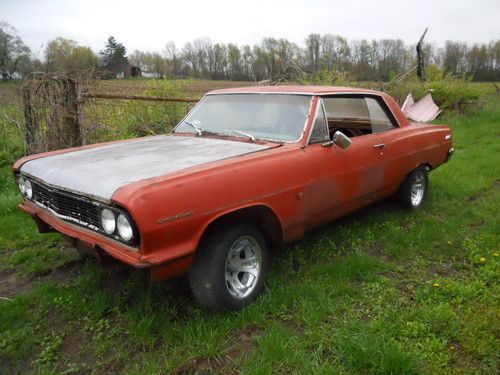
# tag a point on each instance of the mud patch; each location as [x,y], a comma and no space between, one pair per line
[245,340]
[200,366]
[75,353]
[289,323]
[445,269]
[378,249]
[12,283]
[477,224]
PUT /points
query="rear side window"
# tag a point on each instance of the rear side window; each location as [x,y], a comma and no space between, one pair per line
[356,116]
[379,119]
[347,108]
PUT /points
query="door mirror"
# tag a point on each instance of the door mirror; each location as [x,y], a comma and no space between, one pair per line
[341,140]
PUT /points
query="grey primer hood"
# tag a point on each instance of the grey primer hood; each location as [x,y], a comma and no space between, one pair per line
[100,171]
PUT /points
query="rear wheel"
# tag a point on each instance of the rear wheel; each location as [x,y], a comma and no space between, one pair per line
[413,191]
[230,268]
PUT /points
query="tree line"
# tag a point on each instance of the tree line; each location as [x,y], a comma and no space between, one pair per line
[363,60]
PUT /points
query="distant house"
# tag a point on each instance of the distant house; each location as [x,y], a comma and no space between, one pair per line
[123,71]
[127,70]
[151,74]
[135,71]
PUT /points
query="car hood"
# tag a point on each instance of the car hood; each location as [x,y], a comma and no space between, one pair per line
[100,171]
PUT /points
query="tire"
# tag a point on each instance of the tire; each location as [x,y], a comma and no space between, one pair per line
[413,191]
[221,278]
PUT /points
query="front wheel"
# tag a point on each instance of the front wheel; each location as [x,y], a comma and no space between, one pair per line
[413,191]
[230,268]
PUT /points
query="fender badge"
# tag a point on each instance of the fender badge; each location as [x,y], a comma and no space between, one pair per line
[175,217]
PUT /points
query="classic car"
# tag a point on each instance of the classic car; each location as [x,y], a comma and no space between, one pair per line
[246,170]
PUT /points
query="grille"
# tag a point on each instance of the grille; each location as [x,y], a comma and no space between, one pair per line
[66,205]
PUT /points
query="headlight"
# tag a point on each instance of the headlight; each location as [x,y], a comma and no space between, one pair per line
[108,221]
[21,182]
[124,228]
[28,189]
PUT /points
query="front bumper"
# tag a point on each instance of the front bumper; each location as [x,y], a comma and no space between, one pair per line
[78,234]
[450,153]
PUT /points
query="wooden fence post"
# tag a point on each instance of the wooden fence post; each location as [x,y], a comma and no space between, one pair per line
[72,126]
[79,105]
[29,121]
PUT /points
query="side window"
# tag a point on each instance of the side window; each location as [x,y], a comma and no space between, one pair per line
[350,115]
[319,131]
[379,119]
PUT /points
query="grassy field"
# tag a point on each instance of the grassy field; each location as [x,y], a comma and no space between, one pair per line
[380,291]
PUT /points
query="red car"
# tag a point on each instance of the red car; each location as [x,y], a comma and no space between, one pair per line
[247,169]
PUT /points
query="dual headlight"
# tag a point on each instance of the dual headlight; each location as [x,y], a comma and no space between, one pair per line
[117,223]
[114,222]
[25,187]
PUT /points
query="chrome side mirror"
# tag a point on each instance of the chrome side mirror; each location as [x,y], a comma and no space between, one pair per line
[341,140]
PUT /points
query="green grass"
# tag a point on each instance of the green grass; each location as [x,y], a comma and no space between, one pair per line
[380,291]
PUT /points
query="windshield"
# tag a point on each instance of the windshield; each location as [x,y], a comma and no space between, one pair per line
[277,117]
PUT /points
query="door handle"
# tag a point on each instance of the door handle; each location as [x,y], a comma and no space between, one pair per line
[380,146]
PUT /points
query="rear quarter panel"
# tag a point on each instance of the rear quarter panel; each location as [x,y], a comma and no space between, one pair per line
[413,145]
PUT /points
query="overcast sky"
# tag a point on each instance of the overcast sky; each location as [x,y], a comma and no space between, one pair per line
[148,24]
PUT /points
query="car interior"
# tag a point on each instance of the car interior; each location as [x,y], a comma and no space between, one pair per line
[356,116]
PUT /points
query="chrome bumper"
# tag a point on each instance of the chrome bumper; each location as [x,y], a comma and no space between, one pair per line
[450,152]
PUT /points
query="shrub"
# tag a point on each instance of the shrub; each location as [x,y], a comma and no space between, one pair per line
[450,92]
[328,78]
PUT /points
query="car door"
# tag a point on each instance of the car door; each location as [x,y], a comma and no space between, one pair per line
[397,144]
[341,180]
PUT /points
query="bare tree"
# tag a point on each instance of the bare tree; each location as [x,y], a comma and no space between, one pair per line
[312,52]
[454,60]
[14,54]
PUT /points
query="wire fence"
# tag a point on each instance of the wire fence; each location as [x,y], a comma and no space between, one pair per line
[108,118]
[59,112]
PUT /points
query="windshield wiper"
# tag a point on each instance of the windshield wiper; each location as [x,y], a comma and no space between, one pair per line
[196,127]
[252,138]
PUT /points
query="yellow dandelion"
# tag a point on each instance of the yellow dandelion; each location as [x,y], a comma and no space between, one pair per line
[436,284]
[452,347]
[496,254]
[482,259]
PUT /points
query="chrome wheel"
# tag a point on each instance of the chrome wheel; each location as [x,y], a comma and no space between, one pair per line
[243,266]
[418,188]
